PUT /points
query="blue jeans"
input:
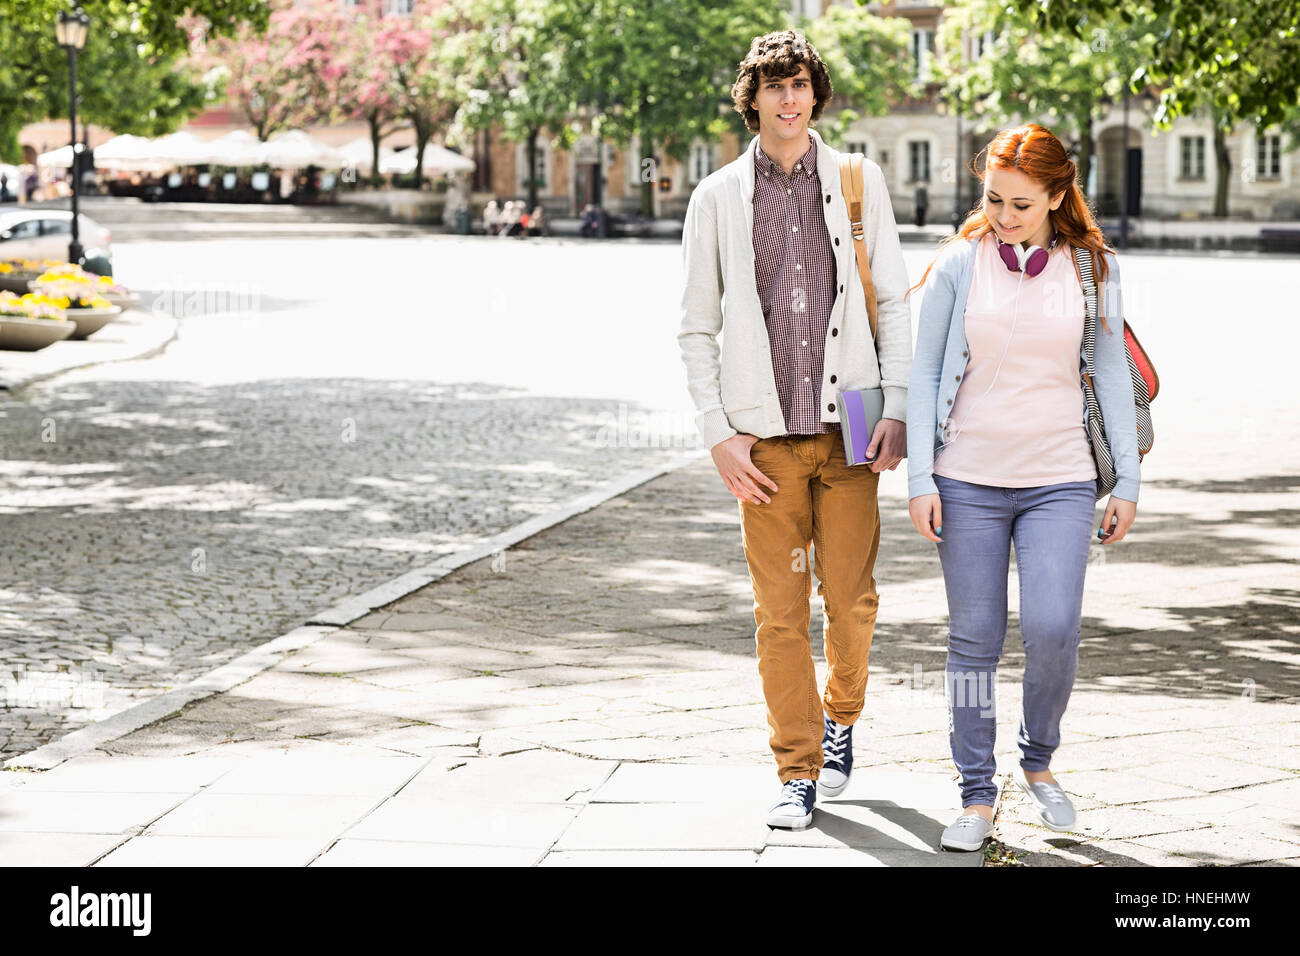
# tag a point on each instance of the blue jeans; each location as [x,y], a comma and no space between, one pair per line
[1052,528]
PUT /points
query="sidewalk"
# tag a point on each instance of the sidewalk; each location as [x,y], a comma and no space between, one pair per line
[590,696]
[135,333]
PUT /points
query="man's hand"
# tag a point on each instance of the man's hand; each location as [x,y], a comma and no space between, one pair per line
[739,474]
[888,444]
[1120,513]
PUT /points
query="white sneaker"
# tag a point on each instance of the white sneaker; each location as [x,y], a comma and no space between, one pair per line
[793,808]
[967,832]
[1052,807]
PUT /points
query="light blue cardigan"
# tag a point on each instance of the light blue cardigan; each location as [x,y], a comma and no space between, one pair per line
[941,356]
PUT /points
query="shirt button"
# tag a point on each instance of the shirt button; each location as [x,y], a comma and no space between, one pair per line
[841,288]
[828,199]
[804,342]
[789,191]
[830,407]
[950,401]
[794,228]
[835,331]
[837,242]
[798,165]
[805,378]
[798,265]
[832,379]
[959,378]
[963,354]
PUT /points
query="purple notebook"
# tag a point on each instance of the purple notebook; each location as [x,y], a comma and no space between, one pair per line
[860,410]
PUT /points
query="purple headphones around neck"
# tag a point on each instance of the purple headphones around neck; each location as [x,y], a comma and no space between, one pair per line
[1033,260]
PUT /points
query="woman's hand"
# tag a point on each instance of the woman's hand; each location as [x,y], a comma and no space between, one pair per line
[927,515]
[1119,512]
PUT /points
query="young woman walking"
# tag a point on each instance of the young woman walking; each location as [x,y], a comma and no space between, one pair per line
[998,452]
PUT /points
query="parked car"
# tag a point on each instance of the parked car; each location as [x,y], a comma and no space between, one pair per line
[33,233]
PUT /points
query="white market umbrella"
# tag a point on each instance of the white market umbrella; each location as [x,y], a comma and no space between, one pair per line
[438,159]
[56,157]
[401,162]
[237,148]
[128,152]
[177,149]
[295,149]
[360,153]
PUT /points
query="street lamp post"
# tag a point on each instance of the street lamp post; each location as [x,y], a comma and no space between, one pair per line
[71,30]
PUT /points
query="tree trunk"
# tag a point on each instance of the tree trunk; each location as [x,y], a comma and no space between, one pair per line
[532,169]
[649,173]
[422,134]
[1087,149]
[1222,170]
[372,118]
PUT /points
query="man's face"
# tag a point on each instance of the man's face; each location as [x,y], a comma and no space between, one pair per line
[785,106]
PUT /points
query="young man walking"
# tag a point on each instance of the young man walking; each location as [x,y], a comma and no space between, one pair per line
[770,232]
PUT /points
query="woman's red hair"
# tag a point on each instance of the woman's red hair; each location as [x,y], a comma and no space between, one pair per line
[1035,151]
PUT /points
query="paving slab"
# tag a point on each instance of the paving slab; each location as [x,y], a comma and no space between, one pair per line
[355,852]
[54,849]
[155,850]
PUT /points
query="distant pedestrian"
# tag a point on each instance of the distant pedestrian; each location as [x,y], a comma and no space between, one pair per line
[590,227]
[537,225]
[491,218]
[4,187]
[922,204]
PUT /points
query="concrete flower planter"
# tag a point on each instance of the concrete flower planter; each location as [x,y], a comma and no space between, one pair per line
[16,281]
[29,335]
[129,301]
[90,321]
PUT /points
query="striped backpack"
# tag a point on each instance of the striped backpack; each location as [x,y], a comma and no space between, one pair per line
[1146,384]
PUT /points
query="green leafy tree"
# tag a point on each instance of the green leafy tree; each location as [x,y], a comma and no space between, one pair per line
[1252,44]
[131,76]
[1032,71]
[869,60]
[662,70]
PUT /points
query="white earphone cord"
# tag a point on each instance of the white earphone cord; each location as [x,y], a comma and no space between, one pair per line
[1014,317]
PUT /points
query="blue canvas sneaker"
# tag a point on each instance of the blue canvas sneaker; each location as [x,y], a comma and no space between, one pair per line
[793,808]
[837,758]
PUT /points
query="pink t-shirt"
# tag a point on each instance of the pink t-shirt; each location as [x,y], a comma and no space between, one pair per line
[1028,430]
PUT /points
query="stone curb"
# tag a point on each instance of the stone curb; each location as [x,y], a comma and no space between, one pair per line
[147,333]
[319,625]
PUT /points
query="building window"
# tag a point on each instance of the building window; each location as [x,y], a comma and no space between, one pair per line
[922,48]
[980,44]
[701,161]
[539,171]
[1268,156]
[1192,162]
[806,9]
[918,161]
[855,146]
[400,8]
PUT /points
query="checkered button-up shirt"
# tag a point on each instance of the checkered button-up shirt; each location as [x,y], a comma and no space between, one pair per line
[794,269]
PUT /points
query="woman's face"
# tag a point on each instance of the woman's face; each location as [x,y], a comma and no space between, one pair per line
[1016,205]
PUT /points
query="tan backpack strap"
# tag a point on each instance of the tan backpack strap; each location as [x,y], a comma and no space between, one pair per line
[851,183]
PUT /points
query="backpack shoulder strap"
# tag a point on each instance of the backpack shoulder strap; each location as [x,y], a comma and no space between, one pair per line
[1083,263]
[851,184]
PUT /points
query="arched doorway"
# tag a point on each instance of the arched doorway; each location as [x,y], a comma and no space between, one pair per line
[1111,161]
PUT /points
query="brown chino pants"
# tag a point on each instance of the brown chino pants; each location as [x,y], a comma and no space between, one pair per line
[833,506]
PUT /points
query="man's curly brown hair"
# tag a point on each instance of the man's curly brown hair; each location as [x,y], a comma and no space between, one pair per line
[777,56]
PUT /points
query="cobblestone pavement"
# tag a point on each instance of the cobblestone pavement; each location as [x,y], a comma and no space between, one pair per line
[163,515]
